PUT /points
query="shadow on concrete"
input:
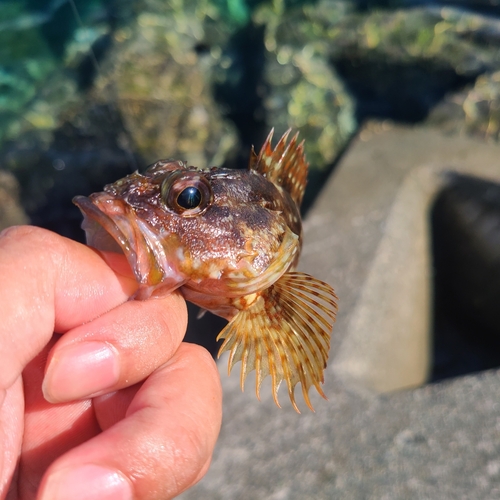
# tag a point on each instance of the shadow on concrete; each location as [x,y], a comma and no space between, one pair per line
[465,223]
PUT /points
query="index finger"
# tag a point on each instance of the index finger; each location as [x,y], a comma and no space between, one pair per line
[49,283]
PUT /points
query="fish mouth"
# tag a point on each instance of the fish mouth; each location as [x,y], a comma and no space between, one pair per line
[102,232]
[110,225]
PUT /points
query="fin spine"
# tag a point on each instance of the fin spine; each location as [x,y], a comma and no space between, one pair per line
[285,165]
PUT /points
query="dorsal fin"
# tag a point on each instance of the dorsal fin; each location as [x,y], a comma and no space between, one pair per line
[285,165]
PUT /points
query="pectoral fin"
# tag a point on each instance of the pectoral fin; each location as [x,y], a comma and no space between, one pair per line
[285,333]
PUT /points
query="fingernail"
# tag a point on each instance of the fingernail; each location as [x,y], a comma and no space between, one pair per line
[87,482]
[80,370]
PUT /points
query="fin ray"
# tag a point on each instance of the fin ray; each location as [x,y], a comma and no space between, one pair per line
[285,333]
[285,165]
[302,321]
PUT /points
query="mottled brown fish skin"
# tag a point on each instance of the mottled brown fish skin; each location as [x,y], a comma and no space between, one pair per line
[244,204]
[245,222]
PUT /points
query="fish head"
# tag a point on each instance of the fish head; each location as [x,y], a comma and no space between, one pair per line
[217,231]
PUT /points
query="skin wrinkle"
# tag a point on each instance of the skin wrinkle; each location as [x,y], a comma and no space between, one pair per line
[185,470]
[7,419]
[76,291]
[95,290]
[151,459]
[172,365]
[114,326]
[189,451]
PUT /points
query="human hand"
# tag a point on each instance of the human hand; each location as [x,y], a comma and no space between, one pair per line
[115,406]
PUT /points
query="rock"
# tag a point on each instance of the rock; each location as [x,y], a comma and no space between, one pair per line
[474,110]
[162,88]
[11,211]
[81,156]
[399,63]
[151,100]
[305,94]
[304,91]
[468,214]
[385,210]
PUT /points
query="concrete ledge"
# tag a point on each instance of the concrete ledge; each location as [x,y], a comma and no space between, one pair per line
[370,232]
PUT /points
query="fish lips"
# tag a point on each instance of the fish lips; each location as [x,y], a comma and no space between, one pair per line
[109,225]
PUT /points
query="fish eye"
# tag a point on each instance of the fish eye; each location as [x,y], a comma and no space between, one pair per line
[189,198]
[187,193]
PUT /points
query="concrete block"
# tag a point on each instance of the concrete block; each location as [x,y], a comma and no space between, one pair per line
[368,235]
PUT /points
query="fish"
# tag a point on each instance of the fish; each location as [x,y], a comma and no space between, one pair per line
[230,241]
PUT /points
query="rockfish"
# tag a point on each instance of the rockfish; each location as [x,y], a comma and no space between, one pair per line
[230,240]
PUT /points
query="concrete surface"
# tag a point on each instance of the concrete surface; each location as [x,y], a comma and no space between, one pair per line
[386,343]
[367,236]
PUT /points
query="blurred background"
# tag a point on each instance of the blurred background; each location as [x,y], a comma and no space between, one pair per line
[92,90]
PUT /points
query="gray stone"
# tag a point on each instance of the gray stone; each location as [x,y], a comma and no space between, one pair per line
[435,441]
